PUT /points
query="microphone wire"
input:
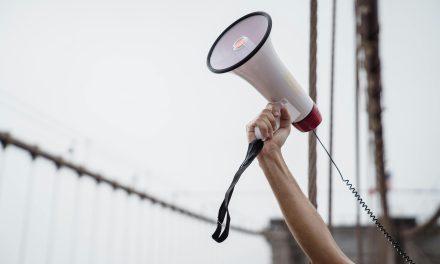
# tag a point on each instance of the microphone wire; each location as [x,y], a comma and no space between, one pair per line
[364,206]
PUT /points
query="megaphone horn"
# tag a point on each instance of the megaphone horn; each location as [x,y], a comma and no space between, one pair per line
[245,49]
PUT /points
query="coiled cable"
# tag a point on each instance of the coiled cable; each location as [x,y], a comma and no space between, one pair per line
[372,216]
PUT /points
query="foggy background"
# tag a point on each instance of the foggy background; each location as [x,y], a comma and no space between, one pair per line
[122,87]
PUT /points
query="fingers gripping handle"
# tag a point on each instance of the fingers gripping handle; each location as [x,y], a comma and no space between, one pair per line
[280,103]
[258,134]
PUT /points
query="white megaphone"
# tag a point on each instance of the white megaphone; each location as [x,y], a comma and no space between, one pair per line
[245,48]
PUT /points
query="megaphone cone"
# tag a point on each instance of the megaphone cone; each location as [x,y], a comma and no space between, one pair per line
[245,48]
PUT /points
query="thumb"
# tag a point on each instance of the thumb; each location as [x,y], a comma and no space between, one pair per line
[285,118]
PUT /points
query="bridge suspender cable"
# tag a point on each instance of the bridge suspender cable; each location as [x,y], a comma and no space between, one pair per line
[29,195]
[332,91]
[312,93]
[359,235]
[6,139]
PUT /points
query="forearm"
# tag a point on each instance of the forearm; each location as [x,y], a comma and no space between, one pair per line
[304,222]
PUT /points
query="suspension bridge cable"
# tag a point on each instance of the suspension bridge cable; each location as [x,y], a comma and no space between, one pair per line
[139,235]
[94,230]
[29,193]
[127,228]
[133,222]
[110,231]
[332,92]
[359,235]
[33,114]
[2,166]
[312,91]
[154,239]
[52,213]
[75,222]
[145,223]
[7,139]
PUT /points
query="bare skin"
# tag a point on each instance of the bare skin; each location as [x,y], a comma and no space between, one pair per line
[304,222]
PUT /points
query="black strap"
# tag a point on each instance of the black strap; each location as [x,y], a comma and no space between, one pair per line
[253,149]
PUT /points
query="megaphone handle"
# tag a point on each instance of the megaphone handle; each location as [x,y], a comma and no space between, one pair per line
[258,134]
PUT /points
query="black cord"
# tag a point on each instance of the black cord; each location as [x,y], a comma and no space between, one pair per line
[347,182]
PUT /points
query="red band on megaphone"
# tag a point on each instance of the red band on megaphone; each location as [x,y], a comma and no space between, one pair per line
[310,122]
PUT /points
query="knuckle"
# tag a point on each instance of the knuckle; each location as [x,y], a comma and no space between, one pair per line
[271,118]
[260,119]
[267,115]
[262,126]
[269,125]
[266,111]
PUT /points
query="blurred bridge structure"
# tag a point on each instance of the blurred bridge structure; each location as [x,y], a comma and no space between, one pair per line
[80,216]
[55,211]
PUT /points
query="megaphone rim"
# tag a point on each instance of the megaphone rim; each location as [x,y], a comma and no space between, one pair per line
[251,54]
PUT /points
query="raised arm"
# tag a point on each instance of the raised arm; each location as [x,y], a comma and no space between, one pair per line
[304,222]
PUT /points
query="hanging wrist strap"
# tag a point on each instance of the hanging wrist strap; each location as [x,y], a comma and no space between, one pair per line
[253,149]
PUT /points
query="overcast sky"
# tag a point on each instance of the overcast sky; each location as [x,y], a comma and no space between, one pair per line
[124,84]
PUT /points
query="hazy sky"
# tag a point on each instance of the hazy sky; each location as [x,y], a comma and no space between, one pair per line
[125,85]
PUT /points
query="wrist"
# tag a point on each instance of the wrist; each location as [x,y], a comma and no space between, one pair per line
[272,163]
[269,152]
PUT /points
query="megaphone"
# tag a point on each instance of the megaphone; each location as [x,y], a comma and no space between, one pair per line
[245,49]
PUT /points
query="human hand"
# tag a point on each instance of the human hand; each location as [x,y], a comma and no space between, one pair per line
[266,122]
